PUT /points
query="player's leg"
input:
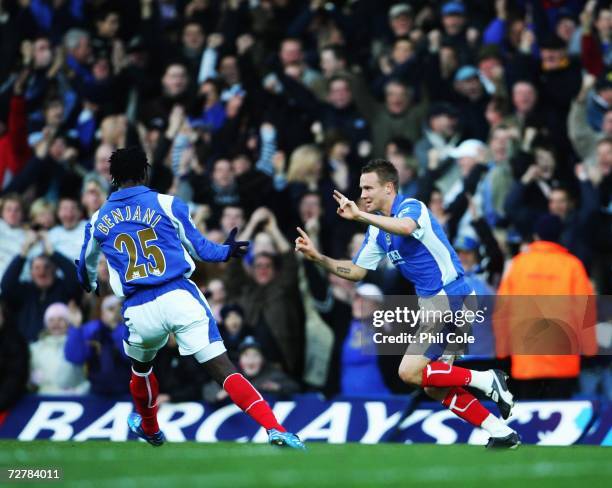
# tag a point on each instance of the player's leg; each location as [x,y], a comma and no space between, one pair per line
[245,396]
[241,391]
[197,334]
[422,371]
[459,401]
[421,365]
[147,336]
[145,389]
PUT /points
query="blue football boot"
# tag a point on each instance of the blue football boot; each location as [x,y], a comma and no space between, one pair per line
[134,423]
[285,439]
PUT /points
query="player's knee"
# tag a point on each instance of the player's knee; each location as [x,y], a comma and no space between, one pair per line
[410,375]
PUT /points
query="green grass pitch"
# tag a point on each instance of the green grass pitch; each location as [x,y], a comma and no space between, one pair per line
[189,464]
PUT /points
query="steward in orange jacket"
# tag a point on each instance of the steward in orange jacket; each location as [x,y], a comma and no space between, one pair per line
[545,309]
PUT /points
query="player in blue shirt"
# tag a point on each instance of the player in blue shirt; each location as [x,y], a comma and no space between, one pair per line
[406,232]
[150,242]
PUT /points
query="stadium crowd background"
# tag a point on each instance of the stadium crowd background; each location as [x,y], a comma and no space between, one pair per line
[497,114]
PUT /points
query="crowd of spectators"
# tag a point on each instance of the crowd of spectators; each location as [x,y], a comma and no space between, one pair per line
[498,115]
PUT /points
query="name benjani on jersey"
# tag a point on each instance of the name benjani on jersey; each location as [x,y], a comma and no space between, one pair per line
[126,214]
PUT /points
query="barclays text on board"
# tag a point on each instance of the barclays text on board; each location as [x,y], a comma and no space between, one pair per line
[365,421]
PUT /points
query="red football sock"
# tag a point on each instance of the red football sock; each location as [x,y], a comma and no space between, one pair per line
[441,374]
[465,405]
[144,389]
[244,394]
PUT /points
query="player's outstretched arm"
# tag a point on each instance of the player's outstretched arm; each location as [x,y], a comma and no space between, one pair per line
[348,209]
[342,268]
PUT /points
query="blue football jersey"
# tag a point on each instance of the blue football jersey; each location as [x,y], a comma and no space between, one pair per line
[425,257]
[148,239]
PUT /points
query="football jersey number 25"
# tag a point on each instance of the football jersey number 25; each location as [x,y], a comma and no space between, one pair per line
[135,271]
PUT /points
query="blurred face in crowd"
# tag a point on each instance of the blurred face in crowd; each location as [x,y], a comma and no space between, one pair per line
[310,207]
[340,151]
[340,95]
[363,307]
[241,164]
[103,276]
[263,243]
[374,194]
[82,52]
[232,217]
[515,32]
[101,69]
[490,67]
[222,173]
[559,203]
[111,313]
[436,203]
[54,113]
[263,269]
[468,258]
[58,148]
[229,70]
[396,98]
[42,55]
[93,197]
[524,97]
[401,25]
[493,115]
[12,213]
[108,26]
[113,128]
[330,64]
[545,160]
[552,58]
[444,125]
[500,144]
[606,94]
[566,28]
[102,160]
[233,322]
[69,213]
[606,124]
[251,361]
[453,24]
[175,80]
[42,272]
[216,289]
[466,164]
[470,88]
[603,24]
[210,91]
[404,172]
[44,217]
[403,50]
[56,325]
[291,52]
[193,37]
[604,157]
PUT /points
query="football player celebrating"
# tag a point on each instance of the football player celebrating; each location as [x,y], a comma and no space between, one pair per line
[150,242]
[406,231]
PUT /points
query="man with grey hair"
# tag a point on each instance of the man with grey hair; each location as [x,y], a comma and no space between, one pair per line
[77,43]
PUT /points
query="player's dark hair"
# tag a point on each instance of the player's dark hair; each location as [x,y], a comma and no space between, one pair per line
[385,171]
[128,165]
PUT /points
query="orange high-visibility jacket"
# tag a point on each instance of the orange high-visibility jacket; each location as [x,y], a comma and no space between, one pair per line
[547,268]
